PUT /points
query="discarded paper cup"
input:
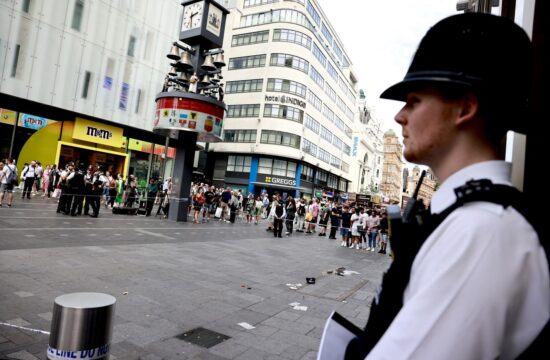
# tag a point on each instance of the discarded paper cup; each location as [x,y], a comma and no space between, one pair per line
[310,280]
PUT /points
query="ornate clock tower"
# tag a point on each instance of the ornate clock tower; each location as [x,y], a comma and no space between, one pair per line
[190,107]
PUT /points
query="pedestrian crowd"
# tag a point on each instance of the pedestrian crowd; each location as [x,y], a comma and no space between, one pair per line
[359,227]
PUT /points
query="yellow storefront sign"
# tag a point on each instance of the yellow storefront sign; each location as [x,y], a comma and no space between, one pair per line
[7,116]
[98,133]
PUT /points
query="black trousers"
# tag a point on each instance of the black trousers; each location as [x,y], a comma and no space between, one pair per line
[277,227]
[27,187]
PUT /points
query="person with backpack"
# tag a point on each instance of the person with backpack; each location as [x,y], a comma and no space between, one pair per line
[470,276]
[8,179]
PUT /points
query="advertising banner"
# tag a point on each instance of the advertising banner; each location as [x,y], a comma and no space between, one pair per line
[204,118]
[32,121]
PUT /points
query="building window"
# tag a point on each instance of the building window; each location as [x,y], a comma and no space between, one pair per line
[319,55]
[26,5]
[312,124]
[332,71]
[248,3]
[291,61]
[250,38]
[342,185]
[15,60]
[138,101]
[283,112]
[277,167]
[316,76]
[324,155]
[307,173]
[328,113]
[283,15]
[239,163]
[334,161]
[280,138]
[246,62]
[286,86]
[332,181]
[132,45]
[241,136]
[292,36]
[243,86]
[78,11]
[314,14]
[309,147]
[321,177]
[326,33]
[330,92]
[314,100]
[243,110]
[326,134]
[337,142]
[347,149]
[86,85]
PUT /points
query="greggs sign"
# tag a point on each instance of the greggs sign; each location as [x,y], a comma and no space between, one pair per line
[98,133]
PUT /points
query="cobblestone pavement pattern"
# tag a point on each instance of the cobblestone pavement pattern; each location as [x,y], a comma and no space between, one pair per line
[169,278]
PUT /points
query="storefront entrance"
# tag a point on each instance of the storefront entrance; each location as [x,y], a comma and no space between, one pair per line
[110,161]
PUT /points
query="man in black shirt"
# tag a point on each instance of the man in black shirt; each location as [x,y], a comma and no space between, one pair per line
[345,230]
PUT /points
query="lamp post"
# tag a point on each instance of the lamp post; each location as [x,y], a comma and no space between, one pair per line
[190,107]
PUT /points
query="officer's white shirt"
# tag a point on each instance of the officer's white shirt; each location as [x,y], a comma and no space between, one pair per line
[479,286]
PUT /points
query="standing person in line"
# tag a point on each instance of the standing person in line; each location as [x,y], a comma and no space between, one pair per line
[29,175]
[6,186]
[477,286]
[290,213]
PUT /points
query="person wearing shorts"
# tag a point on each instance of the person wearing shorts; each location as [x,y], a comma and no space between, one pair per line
[6,187]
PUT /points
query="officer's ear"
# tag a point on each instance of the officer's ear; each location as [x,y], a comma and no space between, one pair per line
[468,108]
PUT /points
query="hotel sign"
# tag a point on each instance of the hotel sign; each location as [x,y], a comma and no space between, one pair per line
[284,99]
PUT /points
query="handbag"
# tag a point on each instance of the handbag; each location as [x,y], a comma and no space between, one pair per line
[218,213]
[309,216]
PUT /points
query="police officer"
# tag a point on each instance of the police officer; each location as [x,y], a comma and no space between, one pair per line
[77,188]
[65,199]
[477,286]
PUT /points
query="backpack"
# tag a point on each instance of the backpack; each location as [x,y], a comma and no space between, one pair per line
[12,177]
[301,210]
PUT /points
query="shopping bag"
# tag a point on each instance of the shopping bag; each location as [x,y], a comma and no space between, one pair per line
[56,193]
[218,213]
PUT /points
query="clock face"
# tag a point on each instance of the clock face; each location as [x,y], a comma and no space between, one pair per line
[192,16]
[214,22]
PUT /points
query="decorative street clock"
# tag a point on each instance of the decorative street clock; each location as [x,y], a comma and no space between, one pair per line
[203,22]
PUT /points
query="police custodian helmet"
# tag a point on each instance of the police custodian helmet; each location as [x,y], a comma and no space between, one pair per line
[488,54]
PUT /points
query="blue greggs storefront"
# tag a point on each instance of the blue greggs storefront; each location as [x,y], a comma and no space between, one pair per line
[260,174]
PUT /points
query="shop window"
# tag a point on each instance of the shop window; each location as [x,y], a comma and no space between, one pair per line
[78,11]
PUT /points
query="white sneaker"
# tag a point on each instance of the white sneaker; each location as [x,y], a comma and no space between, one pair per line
[368,248]
[357,246]
[351,246]
[343,243]
[372,249]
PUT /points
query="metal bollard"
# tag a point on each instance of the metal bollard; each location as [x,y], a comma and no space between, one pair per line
[82,324]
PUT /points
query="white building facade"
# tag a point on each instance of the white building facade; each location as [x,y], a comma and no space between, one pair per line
[291,94]
[103,61]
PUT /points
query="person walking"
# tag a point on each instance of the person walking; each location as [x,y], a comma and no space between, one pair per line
[472,279]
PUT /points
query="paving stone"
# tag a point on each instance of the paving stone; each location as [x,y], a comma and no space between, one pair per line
[177,283]
[22,355]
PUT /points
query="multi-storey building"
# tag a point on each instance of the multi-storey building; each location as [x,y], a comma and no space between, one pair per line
[427,188]
[366,150]
[392,180]
[73,69]
[290,92]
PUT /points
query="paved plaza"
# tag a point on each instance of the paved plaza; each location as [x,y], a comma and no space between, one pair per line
[170,278]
